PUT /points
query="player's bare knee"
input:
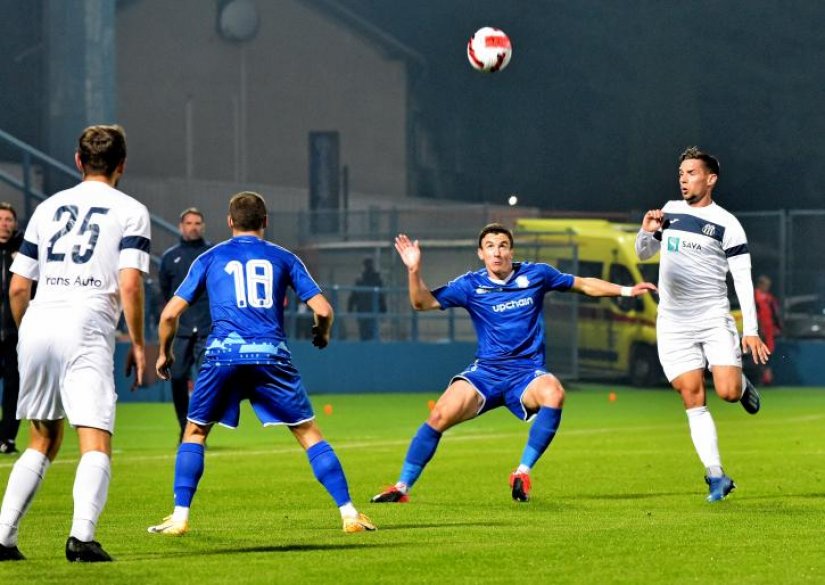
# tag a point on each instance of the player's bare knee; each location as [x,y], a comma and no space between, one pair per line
[195,433]
[46,437]
[692,396]
[443,417]
[545,391]
[729,392]
[552,397]
[437,419]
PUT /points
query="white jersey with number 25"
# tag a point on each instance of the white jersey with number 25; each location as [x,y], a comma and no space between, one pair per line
[76,243]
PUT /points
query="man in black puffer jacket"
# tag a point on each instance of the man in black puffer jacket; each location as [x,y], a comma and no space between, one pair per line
[10,240]
[193,329]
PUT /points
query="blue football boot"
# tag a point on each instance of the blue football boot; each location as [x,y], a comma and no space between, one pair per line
[719,487]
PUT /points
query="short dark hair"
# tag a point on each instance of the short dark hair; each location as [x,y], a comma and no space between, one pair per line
[693,152]
[495,228]
[102,149]
[248,211]
[6,206]
[191,211]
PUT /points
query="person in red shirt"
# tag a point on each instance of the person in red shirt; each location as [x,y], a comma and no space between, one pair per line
[767,314]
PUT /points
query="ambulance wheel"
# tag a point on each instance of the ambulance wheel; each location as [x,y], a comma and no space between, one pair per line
[644,366]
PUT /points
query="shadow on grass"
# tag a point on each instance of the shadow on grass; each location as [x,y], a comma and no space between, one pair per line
[632,496]
[484,524]
[787,496]
[281,548]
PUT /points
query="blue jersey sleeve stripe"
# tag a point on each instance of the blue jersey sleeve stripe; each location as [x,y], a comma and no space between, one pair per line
[137,242]
[737,251]
[28,249]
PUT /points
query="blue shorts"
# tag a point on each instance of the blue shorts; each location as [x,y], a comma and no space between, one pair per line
[502,385]
[275,391]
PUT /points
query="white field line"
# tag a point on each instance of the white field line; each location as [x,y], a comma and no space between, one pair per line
[122,457]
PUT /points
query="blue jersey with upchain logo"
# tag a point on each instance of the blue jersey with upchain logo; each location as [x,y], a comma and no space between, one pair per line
[508,317]
[246,279]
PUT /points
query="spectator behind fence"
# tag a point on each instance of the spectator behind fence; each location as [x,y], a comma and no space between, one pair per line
[10,240]
[767,314]
[367,301]
[190,339]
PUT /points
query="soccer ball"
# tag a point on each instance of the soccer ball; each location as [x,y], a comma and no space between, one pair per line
[489,50]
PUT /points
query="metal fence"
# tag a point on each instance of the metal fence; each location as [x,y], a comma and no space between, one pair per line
[785,245]
[789,247]
[443,261]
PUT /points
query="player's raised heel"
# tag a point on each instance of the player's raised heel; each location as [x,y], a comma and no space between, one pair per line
[10,553]
[170,527]
[391,495]
[78,551]
[358,523]
[520,486]
[751,401]
[719,487]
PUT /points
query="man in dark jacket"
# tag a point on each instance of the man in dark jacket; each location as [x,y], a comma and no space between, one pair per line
[367,300]
[10,240]
[190,340]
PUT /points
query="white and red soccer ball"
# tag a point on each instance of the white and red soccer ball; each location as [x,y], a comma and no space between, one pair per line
[489,50]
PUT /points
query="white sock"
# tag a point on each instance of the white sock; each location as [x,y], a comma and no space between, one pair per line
[522,468]
[348,510]
[91,488]
[25,477]
[402,487]
[703,433]
[180,514]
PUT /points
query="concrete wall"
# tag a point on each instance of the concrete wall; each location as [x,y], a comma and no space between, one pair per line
[200,107]
[799,362]
[357,367]
[368,367]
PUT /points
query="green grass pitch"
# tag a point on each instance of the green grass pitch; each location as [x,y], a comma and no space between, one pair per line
[618,498]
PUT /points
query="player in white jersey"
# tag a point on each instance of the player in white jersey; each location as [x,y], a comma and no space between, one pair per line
[88,249]
[700,242]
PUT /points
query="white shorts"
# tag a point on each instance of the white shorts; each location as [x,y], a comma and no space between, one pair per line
[66,366]
[693,346]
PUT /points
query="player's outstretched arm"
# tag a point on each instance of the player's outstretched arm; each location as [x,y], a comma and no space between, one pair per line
[167,327]
[595,287]
[421,298]
[131,295]
[20,293]
[323,317]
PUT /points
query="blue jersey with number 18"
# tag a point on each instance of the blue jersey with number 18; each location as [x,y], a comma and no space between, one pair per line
[246,279]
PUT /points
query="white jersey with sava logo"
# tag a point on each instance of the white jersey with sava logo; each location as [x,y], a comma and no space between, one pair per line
[698,247]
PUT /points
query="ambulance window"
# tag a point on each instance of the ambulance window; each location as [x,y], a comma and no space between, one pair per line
[650,272]
[620,274]
[585,269]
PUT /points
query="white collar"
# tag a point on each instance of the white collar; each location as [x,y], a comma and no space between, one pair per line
[497,281]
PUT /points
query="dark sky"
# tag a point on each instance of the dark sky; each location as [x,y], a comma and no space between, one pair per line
[601,96]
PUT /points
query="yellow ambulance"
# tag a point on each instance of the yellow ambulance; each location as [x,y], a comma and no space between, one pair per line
[615,336]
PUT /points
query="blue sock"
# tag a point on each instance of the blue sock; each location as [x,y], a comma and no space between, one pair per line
[188,471]
[422,448]
[328,471]
[541,434]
